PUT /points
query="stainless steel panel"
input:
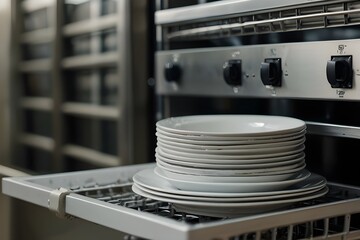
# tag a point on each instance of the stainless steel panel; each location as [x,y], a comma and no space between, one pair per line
[273,24]
[303,66]
[326,129]
[221,8]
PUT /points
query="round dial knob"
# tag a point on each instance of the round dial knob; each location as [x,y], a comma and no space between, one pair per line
[339,72]
[232,72]
[172,72]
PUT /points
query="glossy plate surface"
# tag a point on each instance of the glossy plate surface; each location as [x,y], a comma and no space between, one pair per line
[230,209]
[188,146]
[229,172]
[231,125]
[200,178]
[215,140]
[148,179]
[236,187]
[287,163]
[260,154]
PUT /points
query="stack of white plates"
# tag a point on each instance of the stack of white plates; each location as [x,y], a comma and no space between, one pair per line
[229,165]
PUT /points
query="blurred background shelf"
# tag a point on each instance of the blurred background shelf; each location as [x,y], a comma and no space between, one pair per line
[90,110]
[93,25]
[90,61]
[37,141]
[80,69]
[38,36]
[37,103]
[35,5]
[38,65]
[91,156]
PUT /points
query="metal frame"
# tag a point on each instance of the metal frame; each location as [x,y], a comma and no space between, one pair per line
[79,203]
[125,124]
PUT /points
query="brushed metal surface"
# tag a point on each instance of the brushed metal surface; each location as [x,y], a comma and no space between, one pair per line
[221,8]
[303,66]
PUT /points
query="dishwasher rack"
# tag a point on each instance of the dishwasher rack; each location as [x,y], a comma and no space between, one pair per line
[104,197]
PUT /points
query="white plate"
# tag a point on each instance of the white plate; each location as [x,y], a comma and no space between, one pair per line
[232,161]
[231,125]
[148,179]
[227,172]
[245,210]
[240,170]
[229,157]
[247,187]
[241,151]
[168,175]
[229,209]
[230,138]
[205,147]
[230,166]
[239,141]
[225,199]
[200,178]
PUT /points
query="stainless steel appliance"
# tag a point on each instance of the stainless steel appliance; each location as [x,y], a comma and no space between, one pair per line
[293,58]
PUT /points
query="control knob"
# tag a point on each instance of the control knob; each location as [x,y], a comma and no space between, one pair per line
[172,72]
[271,72]
[339,71]
[232,72]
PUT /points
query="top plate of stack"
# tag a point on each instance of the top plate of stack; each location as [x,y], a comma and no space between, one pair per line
[231,125]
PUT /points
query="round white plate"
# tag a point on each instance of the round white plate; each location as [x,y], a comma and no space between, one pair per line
[224,199]
[148,179]
[247,151]
[231,125]
[243,141]
[227,209]
[188,146]
[230,138]
[200,178]
[232,161]
[234,187]
[231,166]
[227,172]
[242,170]
[229,157]
[168,175]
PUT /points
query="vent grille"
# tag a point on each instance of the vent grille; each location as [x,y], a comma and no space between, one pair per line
[304,18]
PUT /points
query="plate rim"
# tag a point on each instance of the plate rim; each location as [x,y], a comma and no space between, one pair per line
[167,123]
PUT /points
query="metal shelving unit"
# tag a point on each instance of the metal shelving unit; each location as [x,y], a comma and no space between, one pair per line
[74,70]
